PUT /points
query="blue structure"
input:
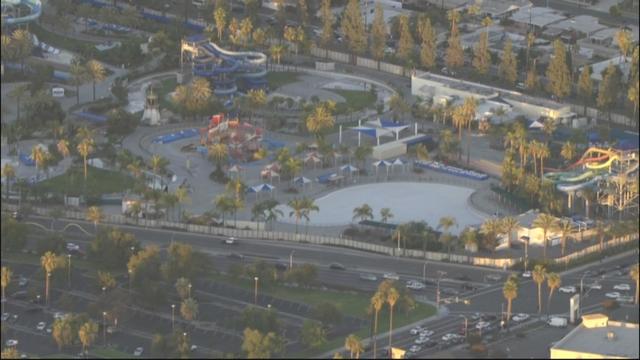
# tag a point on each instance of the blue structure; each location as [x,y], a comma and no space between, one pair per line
[10,12]
[182,134]
[228,71]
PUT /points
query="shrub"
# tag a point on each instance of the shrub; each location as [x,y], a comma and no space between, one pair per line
[479,348]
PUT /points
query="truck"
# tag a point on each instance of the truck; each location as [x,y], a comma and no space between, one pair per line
[557,321]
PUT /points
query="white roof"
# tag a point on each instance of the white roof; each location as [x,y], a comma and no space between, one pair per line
[539,16]
[599,67]
[585,24]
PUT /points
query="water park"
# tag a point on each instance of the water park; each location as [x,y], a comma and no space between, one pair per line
[18,12]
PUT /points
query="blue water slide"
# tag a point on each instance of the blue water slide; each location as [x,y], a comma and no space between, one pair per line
[575,187]
[35,7]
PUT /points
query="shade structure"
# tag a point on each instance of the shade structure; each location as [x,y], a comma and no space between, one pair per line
[399,162]
[270,174]
[236,169]
[536,125]
[302,181]
[312,158]
[261,188]
[381,163]
[349,168]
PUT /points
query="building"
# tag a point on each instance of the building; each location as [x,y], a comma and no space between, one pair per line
[536,17]
[535,234]
[623,64]
[499,9]
[598,338]
[581,25]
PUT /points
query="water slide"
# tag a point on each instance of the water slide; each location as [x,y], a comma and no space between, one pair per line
[35,7]
[594,160]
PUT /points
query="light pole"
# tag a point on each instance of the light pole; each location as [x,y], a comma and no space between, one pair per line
[424,273]
[255,291]
[104,328]
[526,253]
[69,271]
[173,312]
[48,289]
[291,259]
[580,300]
[104,288]
[440,273]
[38,297]
[130,274]
[189,290]
[466,325]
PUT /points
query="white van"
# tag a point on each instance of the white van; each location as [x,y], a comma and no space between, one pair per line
[557,321]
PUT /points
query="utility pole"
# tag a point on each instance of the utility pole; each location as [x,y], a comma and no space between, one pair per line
[440,273]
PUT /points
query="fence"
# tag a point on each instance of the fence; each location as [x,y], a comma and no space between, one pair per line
[597,114]
[596,247]
[360,61]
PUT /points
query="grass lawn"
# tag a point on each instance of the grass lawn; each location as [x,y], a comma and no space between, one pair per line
[356,100]
[99,181]
[281,78]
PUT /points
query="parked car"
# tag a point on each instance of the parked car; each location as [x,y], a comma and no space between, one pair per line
[421,340]
[5,316]
[23,281]
[426,333]
[336,266]
[468,287]
[17,215]
[622,287]
[368,277]
[488,317]
[415,348]
[449,291]
[482,325]
[41,325]
[626,299]
[58,315]
[557,321]
[72,247]
[595,286]
[138,351]
[281,266]
[12,342]
[449,337]
[567,289]
[494,277]
[613,295]
[520,317]
[415,285]
[526,274]
[430,344]
[416,330]
[236,256]
[391,276]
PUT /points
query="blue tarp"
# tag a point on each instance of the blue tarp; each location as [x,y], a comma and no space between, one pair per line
[323,179]
[90,116]
[196,38]
[27,160]
[183,134]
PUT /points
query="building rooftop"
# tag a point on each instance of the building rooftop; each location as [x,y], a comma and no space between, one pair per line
[537,16]
[598,335]
[623,64]
[584,24]
[500,7]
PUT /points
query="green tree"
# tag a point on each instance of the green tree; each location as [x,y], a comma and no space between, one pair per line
[96,72]
[261,346]
[406,43]
[321,119]
[553,282]
[568,151]
[49,262]
[313,334]
[378,34]
[106,280]
[62,332]
[428,46]
[17,93]
[327,23]
[363,212]
[392,299]
[510,225]
[481,54]
[490,229]
[608,90]
[624,40]
[546,222]
[508,68]
[385,215]
[558,71]
[510,292]
[585,86]
[9,173]
[454,57]
[189,309]
[377,302]
[353,27]
[79,76]
[634,274]
[182,287]
[220,18]
[95,215]
[633,94]
[446,223]
[85,148]
[353,344]
[327,313]
[531,81]
[6,279]
[539,274]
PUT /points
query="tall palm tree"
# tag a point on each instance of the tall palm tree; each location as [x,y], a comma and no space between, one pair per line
[377,302]
[633,272]
[79,76]
[277,51]
[18,93]
[385,215]
[158,164]
[298,207]
[490,229]
[49,262]
[553,282]
[510,292]
[96,72]
[94,214]
[565,227]
[445,224]
[9,173]
[510,224]
[87,334]
[538,274]
[363,212]
[392,299]
[309,206]
[224,204]
[39,156]
[546,222]
[63,147]
[182,196]
[272,211]
[218,153]
[257,99]
[354,345]
[6,279]
[543,153]
[189,309]
[534,150]
[85,148]
[568,151]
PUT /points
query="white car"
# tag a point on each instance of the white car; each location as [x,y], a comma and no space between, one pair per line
[520,317]
[73,247]
[41,325]
[626,299]
[138,351]
[229,241]
[415,285]
[426,333]
[391,276]
[58,315]
[613,295]
[416,330]
[526,274]
[622,287]
[449,337]
[595,286]
[415,348]
[12,342]
[421,340]
[482,325]
[568,289]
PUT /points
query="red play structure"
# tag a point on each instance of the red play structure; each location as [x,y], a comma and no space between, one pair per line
[242,139]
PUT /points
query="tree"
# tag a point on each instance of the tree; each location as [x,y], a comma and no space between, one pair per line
[538,274]
[353,344]
[85,148]
[327,313]
[481,54]
[22,45]
[377,302]
[406,44]
[585,86]
[313,334]
[378,34]
[62,332]
[608,90]
[553,282]
[246,28]
[510,224]
[327,22]
[546,222]
[624,40]
[392,299]
[454,57]
[633,94]
[106,280]
[158,165]
[353,27]
[189,309]
[259,37]
[18,92]
[565,227]
[218,153]
[96,72]
[224,204]
[490,229]
[321,119]
[568,151]
[49,262]
[297,206]
[531,81]
[79,76]
[87,334]
[303,12]
[257,99]
[260,346]
[421,152]
[510,292]
[428,46]
[94,214]
[9,173]
[6,279]
[448,144]
[276,52]
[182,287]
[363,212]
[633,273]
[558,71]
[445,224]
[10,353]
[385,215]
[508,68]
[234,31]
[361,153]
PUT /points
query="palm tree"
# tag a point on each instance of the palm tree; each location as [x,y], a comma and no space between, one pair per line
[18,93]
[96,73]
[633,272]
[361,153]
[354,345]
[568,151]
[276,52]
[377,301]
[538,274]
[6,279]
[85,148]
[400,233]
[554,282]
[392,299]
[490,229]
[298,207]
[224,204]
[49,262]
[543,153]
[385,215]
[189,309]
[218,153]
[87,334]
[565,228]
[510,224]
[422,153]
[9,173]
[63,147]
[79,76]
[309,206]
[39,156]
[257,99]
[182,196]
[158,164]
[182,287]
[363,212]
[135,167]
[94,214]
[546,222]
[272,211]
[510,292]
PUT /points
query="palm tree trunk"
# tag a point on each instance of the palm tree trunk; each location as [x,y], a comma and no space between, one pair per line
[539,297]
[544,256]
[375,332]
[94,91]
[549,301]
[508,311]
[46,290]
[77,94]
[390,325]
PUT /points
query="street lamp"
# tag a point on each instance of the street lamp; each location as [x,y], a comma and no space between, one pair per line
[255,291]
[424,273]
[173,311]
[291,259]
[440,273]
[104,328]
[104,288]
[130,274]
[38,297]
[69,271]
[189,290]
[47,294]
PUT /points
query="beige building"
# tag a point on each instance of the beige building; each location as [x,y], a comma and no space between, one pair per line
[535,234]
[598,338]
